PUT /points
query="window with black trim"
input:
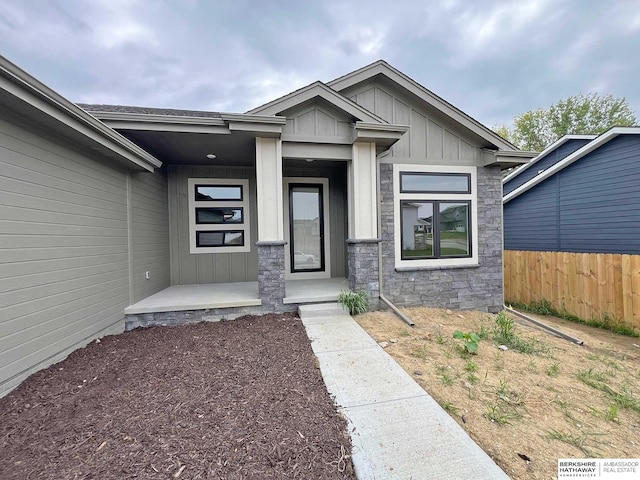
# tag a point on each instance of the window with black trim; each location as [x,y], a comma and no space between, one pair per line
[218,215]
[435,214]
[435,229]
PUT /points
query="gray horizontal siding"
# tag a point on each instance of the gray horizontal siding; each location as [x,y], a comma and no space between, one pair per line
[549,160]
[597,201]
[63,252]
[150,233]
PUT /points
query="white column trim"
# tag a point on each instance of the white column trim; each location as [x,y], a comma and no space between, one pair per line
[269,189]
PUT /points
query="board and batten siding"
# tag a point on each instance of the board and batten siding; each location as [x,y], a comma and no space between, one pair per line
[430,136]
[191,269]
[539,167]
[64,274]
[149,233]
[591,206]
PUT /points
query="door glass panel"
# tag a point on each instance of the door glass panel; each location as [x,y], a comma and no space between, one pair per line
[306,223]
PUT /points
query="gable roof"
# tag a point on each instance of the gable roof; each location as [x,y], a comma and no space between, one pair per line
[575,156]
[21,92]
[317,90]
[550,149]
[383,68]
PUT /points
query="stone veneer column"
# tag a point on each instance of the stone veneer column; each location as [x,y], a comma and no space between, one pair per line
[271,269]
[362,257]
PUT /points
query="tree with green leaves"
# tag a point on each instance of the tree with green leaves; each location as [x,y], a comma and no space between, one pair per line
[579,114]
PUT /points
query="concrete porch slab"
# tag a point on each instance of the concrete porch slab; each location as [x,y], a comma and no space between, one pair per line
[179,298]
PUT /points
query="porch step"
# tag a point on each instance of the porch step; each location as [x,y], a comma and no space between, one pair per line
[321,310]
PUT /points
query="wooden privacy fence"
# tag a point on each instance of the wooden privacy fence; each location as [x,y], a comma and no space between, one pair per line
[587,285]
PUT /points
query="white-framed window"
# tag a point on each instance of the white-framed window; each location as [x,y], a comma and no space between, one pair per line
[435,220]
[219,215]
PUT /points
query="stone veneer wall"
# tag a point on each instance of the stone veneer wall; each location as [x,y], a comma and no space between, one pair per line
[478,288]
[271,280]
[362,258]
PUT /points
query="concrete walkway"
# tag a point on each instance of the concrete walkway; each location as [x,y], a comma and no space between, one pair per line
[397,430]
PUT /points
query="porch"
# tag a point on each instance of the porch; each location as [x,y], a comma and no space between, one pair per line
[238,295]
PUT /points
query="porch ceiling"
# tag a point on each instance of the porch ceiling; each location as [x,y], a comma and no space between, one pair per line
[188,148]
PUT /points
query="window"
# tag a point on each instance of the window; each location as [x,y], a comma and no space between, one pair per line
[435,216]
[218,215]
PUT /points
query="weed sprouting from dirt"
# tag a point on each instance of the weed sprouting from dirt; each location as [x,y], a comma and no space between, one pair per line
[553,370]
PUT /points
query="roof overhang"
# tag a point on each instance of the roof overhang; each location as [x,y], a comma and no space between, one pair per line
[35,103]
[577,155]
[506,158]
[384,135]
[264,125]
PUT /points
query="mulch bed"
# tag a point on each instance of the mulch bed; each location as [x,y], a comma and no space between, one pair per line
[241,399]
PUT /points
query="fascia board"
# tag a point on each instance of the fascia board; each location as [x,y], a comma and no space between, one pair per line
[555,145]
[577,155]
[23,86]
[508,158]
[146,118]
[381,67]
[243,117]
[316,89]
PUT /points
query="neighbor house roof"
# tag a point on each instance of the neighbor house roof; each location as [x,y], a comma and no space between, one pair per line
[575,156]
[23,93]
[551,148]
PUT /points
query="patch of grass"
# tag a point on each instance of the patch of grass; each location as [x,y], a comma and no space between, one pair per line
[504,334]
[578,441]
[473,378]
[471,366]
[440,340]
[532,367]
[404,333]
[564,407]
[497,414]
[553,370]
[450,408]
[606,321]
[624,398]
[420,353]
[606,361]
[503,388]
[446,379]
[611,414]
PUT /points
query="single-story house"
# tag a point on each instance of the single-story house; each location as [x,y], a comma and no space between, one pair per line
[113,217]
[579,195]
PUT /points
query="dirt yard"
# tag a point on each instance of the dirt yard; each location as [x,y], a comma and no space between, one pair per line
[231,400]
[542,399]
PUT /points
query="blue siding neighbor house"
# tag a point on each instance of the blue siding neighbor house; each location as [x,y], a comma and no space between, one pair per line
[582,194]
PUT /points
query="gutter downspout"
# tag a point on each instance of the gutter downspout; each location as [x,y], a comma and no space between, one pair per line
[395,309]
[544,326]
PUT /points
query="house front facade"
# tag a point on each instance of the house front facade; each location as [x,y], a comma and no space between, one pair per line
[254,212]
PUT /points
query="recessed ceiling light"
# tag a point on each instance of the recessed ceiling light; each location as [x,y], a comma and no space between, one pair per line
[210,156]
[309,160]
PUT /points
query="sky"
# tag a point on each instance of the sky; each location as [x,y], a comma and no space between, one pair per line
[492,59]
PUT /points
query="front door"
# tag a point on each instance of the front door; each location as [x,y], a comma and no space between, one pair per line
[307,251]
